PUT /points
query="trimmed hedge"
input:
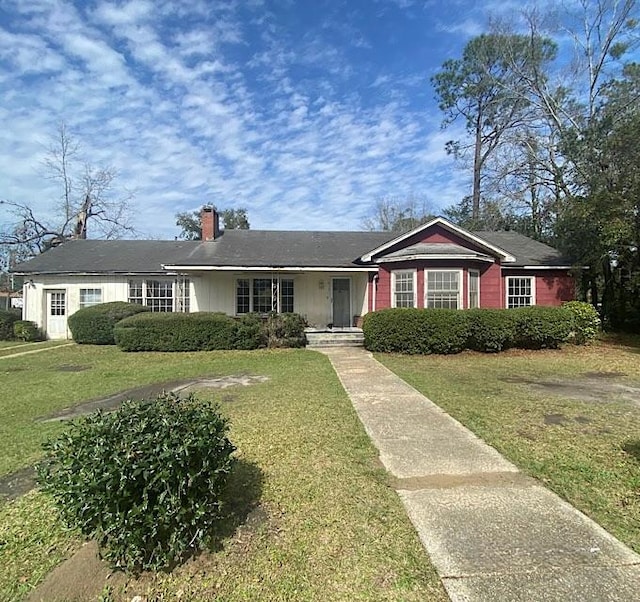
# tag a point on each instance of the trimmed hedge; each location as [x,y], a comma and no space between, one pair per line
[146,480]
[94,325]
[7,320]
[206,331]
[444,331]
[202,331]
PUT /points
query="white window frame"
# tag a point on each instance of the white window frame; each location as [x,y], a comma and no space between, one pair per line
[426,284]
[89,292]
[476,273]
[276,293]
[532,284]
[394,275]
[180,293]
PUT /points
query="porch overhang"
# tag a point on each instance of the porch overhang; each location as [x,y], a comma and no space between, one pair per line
[236,268]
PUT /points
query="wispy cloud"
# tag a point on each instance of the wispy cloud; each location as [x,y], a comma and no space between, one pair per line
[304,124]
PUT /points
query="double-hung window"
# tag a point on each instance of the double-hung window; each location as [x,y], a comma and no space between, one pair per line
[403,283]
[90,296]
[264,295]
[474,289]
[442,289]
[161,295]
[520,291]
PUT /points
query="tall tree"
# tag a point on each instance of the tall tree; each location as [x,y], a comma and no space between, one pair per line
[600,226]
[87,202]
[394,214]
[486,89]
[190,224]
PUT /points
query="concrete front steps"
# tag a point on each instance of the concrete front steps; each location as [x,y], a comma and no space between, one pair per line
[334,337]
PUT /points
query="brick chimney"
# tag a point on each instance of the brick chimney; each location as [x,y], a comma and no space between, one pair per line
[210,221]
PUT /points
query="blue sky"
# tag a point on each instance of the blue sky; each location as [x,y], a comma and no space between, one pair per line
[305,112]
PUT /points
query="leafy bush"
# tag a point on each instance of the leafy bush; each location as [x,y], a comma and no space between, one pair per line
[445,331]
[205,331]
[26,331]
[539,327]
[202,331]
[491,330]
[7,320]
[285,330]
[586,322]
[416,331]
[145,480]
[250,332]
[94,325]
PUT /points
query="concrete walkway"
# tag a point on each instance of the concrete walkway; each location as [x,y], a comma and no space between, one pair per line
[40,350]
[492,533]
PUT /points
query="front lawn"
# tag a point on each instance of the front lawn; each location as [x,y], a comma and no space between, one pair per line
[569,417]
[313,517]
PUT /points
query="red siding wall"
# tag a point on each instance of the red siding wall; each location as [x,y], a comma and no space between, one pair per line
[553,287]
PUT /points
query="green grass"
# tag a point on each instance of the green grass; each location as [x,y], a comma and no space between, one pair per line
[591,458]
[323,524]
[11,347]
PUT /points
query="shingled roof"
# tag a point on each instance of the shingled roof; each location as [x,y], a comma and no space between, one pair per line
[251,248]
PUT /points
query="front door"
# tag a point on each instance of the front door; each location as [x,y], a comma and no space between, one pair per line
[341,295]
[56,322]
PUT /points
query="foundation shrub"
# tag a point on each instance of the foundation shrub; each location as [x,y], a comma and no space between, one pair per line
[26,331]
[145,481]
[491,330]
[444,331]
[586,322]
[285,330]
[416,331]
[250,332]
[201,331]
[7,319]
[95,325]
[540,327]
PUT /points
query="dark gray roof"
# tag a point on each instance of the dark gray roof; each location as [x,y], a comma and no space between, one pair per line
[254,248]
[527,251]
[107,256]
[433,248]
[273,248]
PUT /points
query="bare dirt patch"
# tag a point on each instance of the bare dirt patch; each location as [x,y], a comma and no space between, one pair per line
[594,387]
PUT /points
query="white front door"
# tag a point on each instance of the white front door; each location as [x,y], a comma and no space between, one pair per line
[56,316]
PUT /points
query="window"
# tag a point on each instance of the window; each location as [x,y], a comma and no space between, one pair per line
[286,296]
[404,288]
[474,289]
[264,300]
[90,296]
[243,297]
[57,304]
[264,295]
[442,289]
[520,291]
[161,295]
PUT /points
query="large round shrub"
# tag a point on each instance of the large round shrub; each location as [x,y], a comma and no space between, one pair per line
[94,325]
[27,331]
[145,481]
[586,321]
[7,320]
[285,330]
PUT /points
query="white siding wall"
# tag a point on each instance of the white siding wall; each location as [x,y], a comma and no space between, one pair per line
[209,292]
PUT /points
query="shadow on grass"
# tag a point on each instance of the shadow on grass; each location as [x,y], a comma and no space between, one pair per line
[241,500]
[632,448]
